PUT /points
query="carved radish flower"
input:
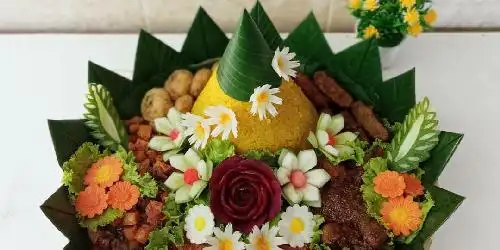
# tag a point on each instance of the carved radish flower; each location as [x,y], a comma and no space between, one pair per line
[173,134]
[301,182]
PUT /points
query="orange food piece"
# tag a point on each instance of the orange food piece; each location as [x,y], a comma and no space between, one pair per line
[145,131]
[389,184]
[123,195]
[143,232]
[401,215]
[91,201]
[104,172]
[130,232]
[413,185]
[131,218]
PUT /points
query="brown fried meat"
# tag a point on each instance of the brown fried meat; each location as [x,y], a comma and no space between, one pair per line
[312,92]
[366,117]
[332,89]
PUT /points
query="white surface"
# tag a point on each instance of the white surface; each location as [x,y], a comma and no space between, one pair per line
[44,76]
[176,16]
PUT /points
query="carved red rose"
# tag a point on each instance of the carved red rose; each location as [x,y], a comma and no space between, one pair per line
[244,192]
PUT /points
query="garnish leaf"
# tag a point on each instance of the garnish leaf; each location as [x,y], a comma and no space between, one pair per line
[217,150]
[76,167]
[264,155]
[102,117]
[266,27]
[204,39]
[67,137]
[170,208]
[397,96]
[61,213]
[440,156]
[109,215]
[118,86]
[246,63]
[416,138]
[310,45]
[147,185]
[171,233]
[372,199]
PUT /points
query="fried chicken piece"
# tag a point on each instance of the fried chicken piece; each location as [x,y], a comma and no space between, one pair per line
[154,213]
[350,124]
[312,92]
[332,89]
[131,218]
[364,115]
[143,232]
[145,131]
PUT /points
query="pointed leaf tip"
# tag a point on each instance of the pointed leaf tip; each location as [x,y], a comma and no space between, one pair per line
[246,63]
[266,26]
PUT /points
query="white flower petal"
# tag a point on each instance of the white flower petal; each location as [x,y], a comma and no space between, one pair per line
[175,181]
[174,116]
[182,194]
[283,153]
[290,161]
[311,138]
[166,155]
[336,124]
[162,125]
[291,194]
[317,177]
[322,137]
[331,150]
[201,167]
[210,168]
[283,175]
[311,193]
[313,203]
[192,157]
[345,137]
[323,121]
[161,143]
[197,188]
[342,149]
[178,162]
[307,160]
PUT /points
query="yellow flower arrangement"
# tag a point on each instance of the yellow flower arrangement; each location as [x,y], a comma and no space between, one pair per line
[354,4]
[430,17]
[415,29]
[407,3]
[370,32]
[370,5]
[412,16]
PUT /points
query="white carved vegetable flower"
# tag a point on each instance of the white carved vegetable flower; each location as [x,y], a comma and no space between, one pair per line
[194,177]
[224,120]
[197,129]
[283,65]
[173,134]
[227,240]
[199,224]
[327,137]
[296,225]
[263,100]
[265,238]
[301,181]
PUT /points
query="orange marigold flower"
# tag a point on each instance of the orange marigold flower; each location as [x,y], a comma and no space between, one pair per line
[104,172]
[123,195]
[91,201]
[401,215]
[413,185]
[389,184]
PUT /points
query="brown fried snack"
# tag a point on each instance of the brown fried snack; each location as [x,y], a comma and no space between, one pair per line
[365,116]
[312,92]
[332,89]
[350,124]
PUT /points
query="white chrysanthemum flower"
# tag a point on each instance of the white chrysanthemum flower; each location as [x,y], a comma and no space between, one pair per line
[224,120]
[226,240]
[296,225]
[199,224]
[173,135]
[197,129]
[195,175]
[263,100]
[328,137]
[283,65]
[301,182]
[265,238]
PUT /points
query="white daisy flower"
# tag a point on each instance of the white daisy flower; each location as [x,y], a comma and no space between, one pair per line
[226,240]
[199,224]
[283,65]
[296,225]
[265,238]
[195,175]
[301,182]
[224,120]
[263,99]
[328,137]
[173,134]
[197,128]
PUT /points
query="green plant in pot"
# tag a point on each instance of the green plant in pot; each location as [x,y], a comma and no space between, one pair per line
[390,22]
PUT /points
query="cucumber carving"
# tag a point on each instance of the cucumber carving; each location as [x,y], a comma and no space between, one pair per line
[103,118]
[417,136]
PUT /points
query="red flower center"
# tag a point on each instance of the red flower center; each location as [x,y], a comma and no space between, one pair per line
[298,179]
[331,140]
[174,134]
[191,176]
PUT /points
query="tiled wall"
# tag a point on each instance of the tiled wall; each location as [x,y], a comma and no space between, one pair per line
[176,15]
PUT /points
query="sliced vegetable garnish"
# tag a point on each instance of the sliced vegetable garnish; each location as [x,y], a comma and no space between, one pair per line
[102,117]
[416,138]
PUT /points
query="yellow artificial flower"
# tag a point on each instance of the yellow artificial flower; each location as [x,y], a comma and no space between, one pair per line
[430,17]
[407,3]
[412,16]
[415,29]
[354,4]
[370,32]
[370,5]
